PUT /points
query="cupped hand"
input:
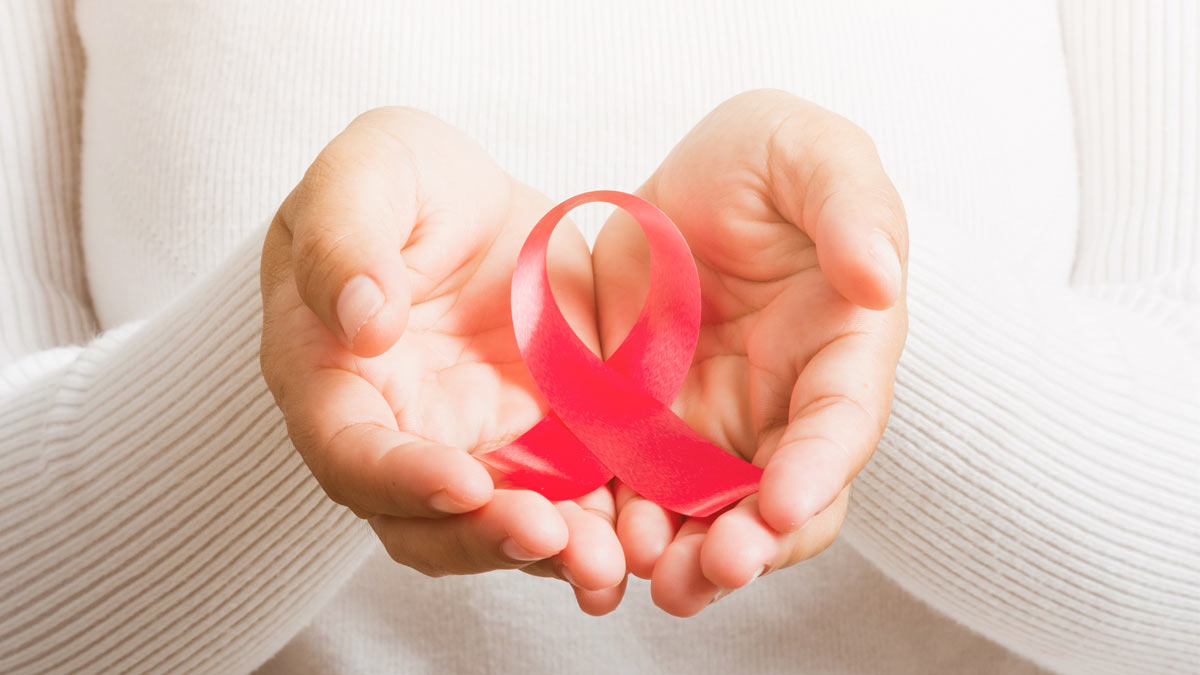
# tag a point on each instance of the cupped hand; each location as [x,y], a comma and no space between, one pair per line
[801,245]
[389,347]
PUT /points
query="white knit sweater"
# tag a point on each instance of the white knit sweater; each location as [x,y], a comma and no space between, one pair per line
[1034,503]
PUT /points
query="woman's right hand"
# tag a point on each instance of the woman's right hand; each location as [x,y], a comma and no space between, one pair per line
[388,345]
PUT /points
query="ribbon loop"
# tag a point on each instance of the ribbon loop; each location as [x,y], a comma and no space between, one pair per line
[611,417]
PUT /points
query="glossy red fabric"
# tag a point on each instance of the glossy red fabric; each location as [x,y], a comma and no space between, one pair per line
[611,417]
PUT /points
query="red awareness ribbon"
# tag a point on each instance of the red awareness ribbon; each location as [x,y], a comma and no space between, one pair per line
[611,417]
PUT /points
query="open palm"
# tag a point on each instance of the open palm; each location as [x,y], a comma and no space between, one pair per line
[780,202]
[391,434]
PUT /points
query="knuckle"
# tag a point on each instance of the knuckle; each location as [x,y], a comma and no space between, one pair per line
[604,515]
[421,565]
[269,373]
[850,404]
[864,181]
[401,555]
[318,465]
[397,136]
[883,198]
[316,255]
[853,135]
[389,115]
[766,96]
[335,495]
[426,551]
[405,554]
[834,137]
[833,186]
[834,134]
[467,556]
[334,175]
[275,266]
[325,171]
[270,360]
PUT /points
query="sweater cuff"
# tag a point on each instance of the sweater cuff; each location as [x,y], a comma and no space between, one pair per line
[161,517]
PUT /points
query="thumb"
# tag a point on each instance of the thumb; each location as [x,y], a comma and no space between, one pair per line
[827,178]
[349,218]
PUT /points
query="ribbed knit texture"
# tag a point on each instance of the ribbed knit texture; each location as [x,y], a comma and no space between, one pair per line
[1036,499]
[41,280]
[1135,76]
[153,515]
[1040,478]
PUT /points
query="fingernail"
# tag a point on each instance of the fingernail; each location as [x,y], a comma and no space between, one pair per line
[757,574]
[515,551]
[726,591]
[443,502]
[360,300]
[567,575]
[720,594]
[884,253]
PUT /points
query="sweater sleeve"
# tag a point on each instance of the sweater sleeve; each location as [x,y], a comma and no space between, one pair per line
[1039,480]
[1040,477]
[153,515]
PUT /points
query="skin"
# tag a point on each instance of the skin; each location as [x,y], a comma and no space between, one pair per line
[802,326]
[390,413]
[801,244]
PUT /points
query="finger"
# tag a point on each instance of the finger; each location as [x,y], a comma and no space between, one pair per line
[678,585]
[599,603]
[826,176]
[838,410]
[515,528]
[349,218]
[347,435]
[275,268]
[592,559]
[740,546]
[592,563]
[644,529]
[817,535]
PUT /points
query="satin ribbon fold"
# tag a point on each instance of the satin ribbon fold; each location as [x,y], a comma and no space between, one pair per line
[612,417]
